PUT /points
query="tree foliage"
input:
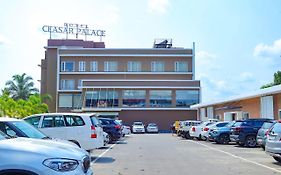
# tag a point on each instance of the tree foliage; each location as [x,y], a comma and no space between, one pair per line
[20,87]
[276,80]
[21,108]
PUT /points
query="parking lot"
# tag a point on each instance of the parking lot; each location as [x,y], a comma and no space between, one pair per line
[166,154]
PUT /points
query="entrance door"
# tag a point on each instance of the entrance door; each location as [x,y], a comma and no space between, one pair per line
[267,107]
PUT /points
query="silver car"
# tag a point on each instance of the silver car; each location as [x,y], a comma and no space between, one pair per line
[273,143]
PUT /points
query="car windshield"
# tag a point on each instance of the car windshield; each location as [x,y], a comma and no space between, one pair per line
[3,136]
[138,124]
[267,125]
[231,124]
[28,130]
[152,124]
[237,124]
[276,128]
[95,121]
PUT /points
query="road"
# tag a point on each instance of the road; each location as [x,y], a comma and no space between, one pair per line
[164,154]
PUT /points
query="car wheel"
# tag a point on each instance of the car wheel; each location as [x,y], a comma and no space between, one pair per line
[200,137]
[251,141]
[187,136]
[224,139]
[278,159]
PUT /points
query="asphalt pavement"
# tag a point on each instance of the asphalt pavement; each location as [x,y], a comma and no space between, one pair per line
[164,154]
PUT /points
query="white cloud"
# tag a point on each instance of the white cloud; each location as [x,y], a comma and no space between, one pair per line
[206,61]
[246,76]
[4,40]
[268,51]
[158,6]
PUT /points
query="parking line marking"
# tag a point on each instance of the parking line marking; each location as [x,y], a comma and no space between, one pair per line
[241,158]
[102,154]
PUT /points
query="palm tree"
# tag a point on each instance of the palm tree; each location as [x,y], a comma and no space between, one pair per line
[21,87]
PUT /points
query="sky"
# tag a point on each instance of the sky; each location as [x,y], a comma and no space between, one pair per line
[238,42]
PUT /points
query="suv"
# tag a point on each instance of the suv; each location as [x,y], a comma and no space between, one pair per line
[82,129]
[112,128]
[245,132]
[221,134]
[26,156]
[185,127]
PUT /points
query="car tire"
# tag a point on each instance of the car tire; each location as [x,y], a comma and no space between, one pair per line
[251,141]
[278,159]
[223,139]
[187,136]
[199,138]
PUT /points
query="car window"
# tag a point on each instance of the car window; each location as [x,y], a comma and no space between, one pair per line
[104,122]
[33,120]
[276,128]
[3,136]
[7,130]
[28,129]
[74,120]
[236,124]
[53,121]
[221,124]
[94,121]
[267,125]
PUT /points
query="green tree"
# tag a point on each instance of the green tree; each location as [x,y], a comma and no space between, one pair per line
[21,87]
[276,80]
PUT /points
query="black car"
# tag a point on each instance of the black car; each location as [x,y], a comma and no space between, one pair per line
[112,128]
[245,132]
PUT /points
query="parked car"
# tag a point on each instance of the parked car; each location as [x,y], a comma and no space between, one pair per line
[221,134]
[138,127]
[42,157]
[263,131]
[126,130]
[152,128]
[186,125]
[195,131]
[273,144]
[112,128]
[81,128]
[244,133]
[206,130]
[19,128]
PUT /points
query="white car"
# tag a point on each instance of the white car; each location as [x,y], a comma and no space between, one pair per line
[152,128]
[195,131]
[126,130]
[138,127]
[81,128]
[26,156]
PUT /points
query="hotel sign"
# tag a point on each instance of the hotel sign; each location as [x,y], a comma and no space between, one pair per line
[73,29]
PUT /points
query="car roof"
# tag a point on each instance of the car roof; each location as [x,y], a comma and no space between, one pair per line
[61,113]
[8,119]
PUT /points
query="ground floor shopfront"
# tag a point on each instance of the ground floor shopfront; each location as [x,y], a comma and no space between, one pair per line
[264,103]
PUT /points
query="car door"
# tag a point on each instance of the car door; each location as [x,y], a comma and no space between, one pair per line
[75,128]
[53,126]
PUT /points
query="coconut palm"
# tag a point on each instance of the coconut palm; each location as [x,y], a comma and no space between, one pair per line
[21,87]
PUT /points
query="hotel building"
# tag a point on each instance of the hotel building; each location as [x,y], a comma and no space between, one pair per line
[150,85]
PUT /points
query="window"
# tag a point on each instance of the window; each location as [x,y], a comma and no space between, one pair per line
[134,66]
[33,121]
[53,121]
[94,66]
[28,130]
[246,115]
[185,98]
[160,98]
[157,66]
[65,100]
[67,66]
[102,98]
[80,84]
[181,66]
[67,84]
[70,101]
[74,120]
[82,66]
[134,98]
[110,66]
[7,130]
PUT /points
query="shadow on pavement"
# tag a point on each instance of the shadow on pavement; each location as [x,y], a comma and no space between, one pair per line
[102,159]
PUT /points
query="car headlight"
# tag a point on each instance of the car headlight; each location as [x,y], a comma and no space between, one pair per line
[61,165]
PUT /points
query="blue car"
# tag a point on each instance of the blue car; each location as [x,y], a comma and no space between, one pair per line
[221,134]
